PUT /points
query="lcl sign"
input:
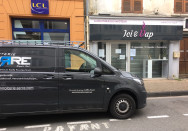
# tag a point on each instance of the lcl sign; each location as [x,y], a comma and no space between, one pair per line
[39,7]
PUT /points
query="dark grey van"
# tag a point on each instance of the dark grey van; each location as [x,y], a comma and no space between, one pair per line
[39,79]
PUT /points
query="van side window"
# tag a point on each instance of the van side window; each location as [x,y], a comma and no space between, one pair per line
[77,61]
[106,71]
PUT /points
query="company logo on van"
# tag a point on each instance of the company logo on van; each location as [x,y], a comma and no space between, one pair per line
[10,60]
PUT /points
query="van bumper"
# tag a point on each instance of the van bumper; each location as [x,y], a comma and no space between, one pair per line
[142,100]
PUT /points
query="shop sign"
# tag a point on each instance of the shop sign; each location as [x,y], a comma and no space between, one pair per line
[141,33]
[123,29]
[39,7]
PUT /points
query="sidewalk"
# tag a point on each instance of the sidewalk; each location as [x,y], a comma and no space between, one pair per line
[165,87]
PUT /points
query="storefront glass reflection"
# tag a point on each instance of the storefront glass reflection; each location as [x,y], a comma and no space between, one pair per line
[118,56]
[102,50]
[149,59]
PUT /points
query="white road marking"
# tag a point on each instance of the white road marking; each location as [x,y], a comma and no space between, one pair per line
[154,117]
[3,129]
[118,120]
[106,125]
[79,122]
[185,114]
[37,126]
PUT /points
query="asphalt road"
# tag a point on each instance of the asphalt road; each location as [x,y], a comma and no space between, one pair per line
[161,114]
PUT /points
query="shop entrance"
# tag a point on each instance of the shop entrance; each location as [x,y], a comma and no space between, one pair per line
[183,69]
[118,56]
[115,53]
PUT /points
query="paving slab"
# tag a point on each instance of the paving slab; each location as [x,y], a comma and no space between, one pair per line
[165,87]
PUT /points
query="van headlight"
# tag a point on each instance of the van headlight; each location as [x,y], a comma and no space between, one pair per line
[138,81]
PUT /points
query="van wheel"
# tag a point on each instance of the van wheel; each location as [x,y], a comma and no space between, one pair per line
[122,106]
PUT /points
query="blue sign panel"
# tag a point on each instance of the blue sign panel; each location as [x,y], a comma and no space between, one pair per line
[39,7]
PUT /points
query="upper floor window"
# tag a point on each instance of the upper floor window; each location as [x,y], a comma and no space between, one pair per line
[132,6]
[181,6]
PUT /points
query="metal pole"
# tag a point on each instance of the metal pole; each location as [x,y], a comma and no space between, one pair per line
[87,24]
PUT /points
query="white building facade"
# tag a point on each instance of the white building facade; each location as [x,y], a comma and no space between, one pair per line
[139,36]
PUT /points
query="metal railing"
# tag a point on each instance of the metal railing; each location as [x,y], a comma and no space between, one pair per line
[42,42]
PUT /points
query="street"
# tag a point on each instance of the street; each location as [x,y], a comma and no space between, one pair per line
[160,114]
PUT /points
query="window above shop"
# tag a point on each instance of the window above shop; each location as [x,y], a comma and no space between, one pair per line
[29,29]
[132,6]
[55,25]
[26,24]
[180,6]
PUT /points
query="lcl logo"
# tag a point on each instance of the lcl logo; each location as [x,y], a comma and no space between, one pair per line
[39,5]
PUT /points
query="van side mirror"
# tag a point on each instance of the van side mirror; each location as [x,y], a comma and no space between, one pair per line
[96,72]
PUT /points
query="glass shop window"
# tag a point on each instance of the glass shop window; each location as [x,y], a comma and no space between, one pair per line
[149,59]
[28,29]
[102,50]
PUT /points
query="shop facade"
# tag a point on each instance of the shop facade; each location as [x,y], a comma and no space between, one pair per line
[42,20]
[146,47]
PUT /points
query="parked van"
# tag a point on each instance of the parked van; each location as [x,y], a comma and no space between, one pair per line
[44,78]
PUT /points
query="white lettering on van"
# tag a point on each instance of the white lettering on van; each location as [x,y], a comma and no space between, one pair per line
[16,60]
[25,60]
[9,60]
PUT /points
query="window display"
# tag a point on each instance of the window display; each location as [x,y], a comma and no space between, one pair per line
[149,59]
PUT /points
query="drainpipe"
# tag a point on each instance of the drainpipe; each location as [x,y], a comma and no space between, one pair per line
[87,24]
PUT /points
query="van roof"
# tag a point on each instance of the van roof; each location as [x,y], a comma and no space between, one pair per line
[41,43]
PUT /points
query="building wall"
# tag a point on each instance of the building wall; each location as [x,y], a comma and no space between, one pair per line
[164,7]
[174,46]
[58,9]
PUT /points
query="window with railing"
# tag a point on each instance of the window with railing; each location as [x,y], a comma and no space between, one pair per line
[132,6]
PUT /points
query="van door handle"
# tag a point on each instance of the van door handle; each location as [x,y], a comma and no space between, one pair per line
[67,77]
[48,77]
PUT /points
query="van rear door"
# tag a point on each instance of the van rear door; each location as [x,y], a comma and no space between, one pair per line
[28,81]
